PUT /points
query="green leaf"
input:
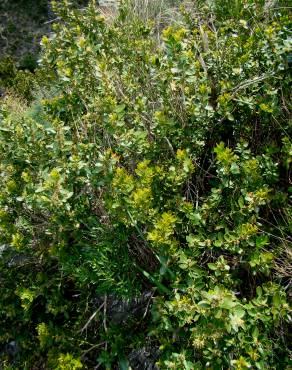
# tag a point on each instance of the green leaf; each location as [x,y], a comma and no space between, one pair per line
[262,240]
[227,303]
[259,291]
[277,299]
[124,364]
[204,304]
[241,202]
[218,314]
[234,168]
[239,312]
[255,333]
[5,129]
[212,266]
[196,218]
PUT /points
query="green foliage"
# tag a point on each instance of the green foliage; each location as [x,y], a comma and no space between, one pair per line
[150,166]
[18,80]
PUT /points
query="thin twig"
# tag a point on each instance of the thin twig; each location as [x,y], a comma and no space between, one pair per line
[91,318]
[91,348]
[104,312]
[148,304]
[250,82]
[52,20]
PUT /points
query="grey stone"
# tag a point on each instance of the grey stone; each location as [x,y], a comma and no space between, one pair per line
[144,358]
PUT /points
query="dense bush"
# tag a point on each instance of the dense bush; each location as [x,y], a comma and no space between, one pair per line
[150,167]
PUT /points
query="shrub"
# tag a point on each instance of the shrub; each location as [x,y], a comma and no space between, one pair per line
[161,167]
[18,81]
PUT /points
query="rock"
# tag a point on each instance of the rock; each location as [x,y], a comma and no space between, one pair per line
[13,348]
[144,358]
[118,311]
[3,248]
